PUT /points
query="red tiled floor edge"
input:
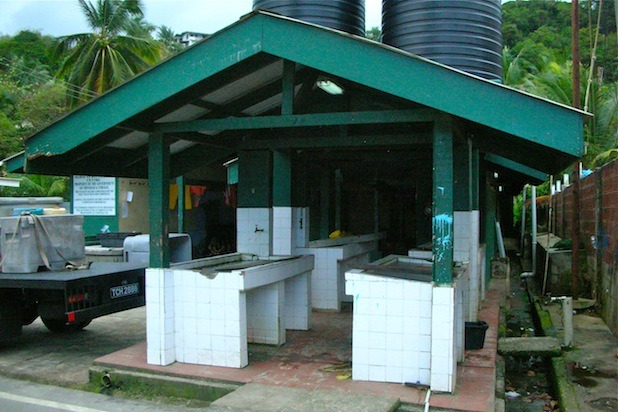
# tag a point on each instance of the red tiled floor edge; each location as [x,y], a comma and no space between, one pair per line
[474,391]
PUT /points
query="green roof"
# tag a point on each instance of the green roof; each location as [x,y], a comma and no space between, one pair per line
[212,95]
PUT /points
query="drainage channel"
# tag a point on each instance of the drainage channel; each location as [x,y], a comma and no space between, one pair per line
[527,378]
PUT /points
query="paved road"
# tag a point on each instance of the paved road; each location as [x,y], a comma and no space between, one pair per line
[64,359]
[17,395]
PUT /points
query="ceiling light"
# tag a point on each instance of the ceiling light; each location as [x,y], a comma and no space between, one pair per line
[329,86]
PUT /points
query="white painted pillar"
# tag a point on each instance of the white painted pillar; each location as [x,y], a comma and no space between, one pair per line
[160,325]
[297,313]
[443,350]
[265,322]
[475,275]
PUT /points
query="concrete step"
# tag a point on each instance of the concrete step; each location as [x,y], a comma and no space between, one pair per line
[256,397]
[536,346]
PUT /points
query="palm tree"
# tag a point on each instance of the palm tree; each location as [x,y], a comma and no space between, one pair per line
[166,36]
[107,57]
[38,186]
[140,28]
[607,124]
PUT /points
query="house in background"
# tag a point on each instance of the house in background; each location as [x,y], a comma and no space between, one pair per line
[189,38]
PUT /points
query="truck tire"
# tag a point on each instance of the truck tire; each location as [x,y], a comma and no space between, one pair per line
[61,326]
[29,314]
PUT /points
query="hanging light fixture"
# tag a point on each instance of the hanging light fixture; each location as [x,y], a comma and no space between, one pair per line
[329,86]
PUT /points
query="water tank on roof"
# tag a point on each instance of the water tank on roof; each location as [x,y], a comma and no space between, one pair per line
[344,15]
[466,35]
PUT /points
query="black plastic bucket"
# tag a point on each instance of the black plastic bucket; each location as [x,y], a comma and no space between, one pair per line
[475,334]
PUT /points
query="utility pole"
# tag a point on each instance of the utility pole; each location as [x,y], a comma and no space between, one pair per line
[576,168]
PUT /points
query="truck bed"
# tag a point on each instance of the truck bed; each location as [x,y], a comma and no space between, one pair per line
[60,279]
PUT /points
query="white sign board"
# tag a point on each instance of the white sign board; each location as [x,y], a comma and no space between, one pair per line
[94,196]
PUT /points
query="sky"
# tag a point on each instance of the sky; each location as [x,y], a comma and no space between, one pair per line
[63,17]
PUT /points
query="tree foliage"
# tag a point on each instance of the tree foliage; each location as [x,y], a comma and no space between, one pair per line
[537,59]
[109,56]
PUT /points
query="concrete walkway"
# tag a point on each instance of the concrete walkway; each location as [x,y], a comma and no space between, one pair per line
[591,365]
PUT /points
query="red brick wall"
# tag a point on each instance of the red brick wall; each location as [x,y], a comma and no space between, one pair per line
[593,204]
[609,178]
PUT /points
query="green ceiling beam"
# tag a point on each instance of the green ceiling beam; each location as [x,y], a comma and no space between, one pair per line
[299,120]
[427,83]
[223,50]
[318,142]
[517,167]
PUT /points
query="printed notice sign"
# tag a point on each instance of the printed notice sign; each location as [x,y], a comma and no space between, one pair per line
[94,196]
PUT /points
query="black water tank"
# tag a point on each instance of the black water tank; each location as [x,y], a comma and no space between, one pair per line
[466,35]
[344,15]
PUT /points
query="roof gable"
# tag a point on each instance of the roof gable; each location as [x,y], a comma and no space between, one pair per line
[362,61]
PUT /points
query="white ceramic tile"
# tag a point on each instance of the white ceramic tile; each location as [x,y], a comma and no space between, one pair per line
[425,376]
[440,365]
[360,372]
[377,355]
[440,382]
[411,375]
[377,373]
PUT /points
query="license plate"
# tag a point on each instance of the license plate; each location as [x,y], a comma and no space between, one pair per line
[124,290]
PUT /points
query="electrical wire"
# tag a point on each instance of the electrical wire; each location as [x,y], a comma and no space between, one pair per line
[72,89]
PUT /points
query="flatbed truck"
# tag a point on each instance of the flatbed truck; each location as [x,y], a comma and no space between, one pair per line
[68,300]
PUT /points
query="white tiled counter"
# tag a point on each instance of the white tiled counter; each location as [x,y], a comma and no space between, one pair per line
[205,311]
[333,257]
[405,329]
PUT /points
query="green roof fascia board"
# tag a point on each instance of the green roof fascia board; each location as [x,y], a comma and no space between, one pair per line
[15,163]
[517,167]
[299,120]
[222,50]
[428,83]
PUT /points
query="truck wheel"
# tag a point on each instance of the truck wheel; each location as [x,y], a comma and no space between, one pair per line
[29,315]
[61,326]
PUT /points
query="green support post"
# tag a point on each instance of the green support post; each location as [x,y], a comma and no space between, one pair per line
[282,179]
[461,177]
[490,227]
[159,187]
[325,204]
[476,178]
[443,201]
[180,182]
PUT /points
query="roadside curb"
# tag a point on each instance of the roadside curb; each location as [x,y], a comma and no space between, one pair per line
[565,393]
[159,384]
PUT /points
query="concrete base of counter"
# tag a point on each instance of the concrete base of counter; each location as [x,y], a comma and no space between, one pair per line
[208,318]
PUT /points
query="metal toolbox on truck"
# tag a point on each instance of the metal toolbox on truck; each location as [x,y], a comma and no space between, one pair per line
[27,241]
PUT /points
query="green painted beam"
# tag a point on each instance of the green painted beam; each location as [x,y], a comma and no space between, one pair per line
[222,50]
[316,142]
[443,211]
[15,163]
[430,84]
[517,167]
[287,96]
[299,120]
[158,199]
